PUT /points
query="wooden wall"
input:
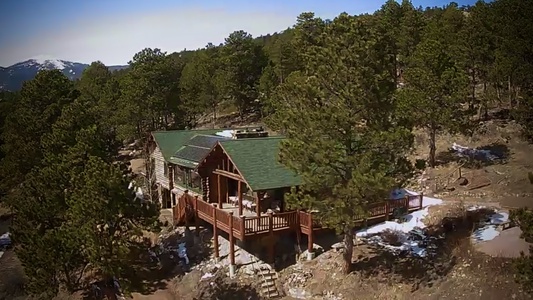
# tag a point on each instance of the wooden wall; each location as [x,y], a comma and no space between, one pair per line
[160,168]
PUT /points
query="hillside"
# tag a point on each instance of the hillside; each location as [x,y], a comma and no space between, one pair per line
[12,77]
[377,110]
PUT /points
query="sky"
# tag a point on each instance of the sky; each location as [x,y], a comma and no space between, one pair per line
[112,31]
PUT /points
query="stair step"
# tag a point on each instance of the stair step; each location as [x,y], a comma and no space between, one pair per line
[266,273]
[268,284]
[269,290]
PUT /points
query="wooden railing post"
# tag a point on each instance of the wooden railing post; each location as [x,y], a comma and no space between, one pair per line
[271,254]
[231,247]
[421,200]
[215,232]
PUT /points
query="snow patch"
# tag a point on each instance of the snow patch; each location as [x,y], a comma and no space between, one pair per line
[406,231]
[489,229]
[225,133]
[47,62]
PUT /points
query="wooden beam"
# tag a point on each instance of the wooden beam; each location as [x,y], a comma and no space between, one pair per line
[219,187]
[257,206]
[239,194]
[228,175]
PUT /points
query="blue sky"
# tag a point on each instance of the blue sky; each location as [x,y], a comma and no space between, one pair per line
[114,30]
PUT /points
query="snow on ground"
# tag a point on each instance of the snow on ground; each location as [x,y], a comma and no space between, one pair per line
[412,223]
[225,133]
[405,229]
[489,230]
[138,190]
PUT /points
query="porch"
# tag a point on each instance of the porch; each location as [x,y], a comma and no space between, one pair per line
[249,227]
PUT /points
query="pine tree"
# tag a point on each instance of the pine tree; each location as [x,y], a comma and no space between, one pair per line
[436,86]
[338,117]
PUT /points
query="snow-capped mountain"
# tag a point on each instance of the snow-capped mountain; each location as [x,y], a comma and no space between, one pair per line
[11,78]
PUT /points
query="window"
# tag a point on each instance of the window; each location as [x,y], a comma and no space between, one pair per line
[179,174]
[195,181]
[165,170]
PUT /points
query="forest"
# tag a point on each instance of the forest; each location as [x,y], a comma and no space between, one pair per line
[346,93]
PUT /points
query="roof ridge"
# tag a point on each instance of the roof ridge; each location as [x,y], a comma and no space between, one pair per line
[186,130]
[254,139]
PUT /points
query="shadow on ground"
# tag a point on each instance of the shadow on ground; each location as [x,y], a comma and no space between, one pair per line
[426,271]
[501,153]
[144,275]
[221,287]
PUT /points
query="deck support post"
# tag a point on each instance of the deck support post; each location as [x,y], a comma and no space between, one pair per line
[298,231]
[196,217]
[421,200]
[215,233]
[231,247]
[310,243]
[271,243]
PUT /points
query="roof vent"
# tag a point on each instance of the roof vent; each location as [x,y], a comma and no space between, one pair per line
[250,133]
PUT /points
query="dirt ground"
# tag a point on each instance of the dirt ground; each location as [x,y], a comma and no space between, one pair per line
[472,276]
[504,181]
[465,273]
[12,274]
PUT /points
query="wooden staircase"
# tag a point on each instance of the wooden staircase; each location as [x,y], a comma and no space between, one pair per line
[267,284]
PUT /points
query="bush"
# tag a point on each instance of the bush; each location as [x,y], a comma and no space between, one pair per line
[392,237]
[523,217]
[420,164]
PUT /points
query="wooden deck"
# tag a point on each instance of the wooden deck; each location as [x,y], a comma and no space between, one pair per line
[192,207]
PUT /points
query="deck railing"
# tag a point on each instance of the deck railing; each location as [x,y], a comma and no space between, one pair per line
[293,220]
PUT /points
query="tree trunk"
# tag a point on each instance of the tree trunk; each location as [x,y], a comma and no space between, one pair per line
[348,250]
[473,103]
[214,116]
[485,102]
[509,89]
[432,147]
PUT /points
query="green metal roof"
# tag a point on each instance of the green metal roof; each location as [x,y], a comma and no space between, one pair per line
[170,142]
[257,161]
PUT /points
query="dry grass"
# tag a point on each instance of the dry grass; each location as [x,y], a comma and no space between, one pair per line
[438,213]
[392,237]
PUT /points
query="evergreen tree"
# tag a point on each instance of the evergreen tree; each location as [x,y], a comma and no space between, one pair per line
[243,61]
[38,106]
[342,134]
[435,86]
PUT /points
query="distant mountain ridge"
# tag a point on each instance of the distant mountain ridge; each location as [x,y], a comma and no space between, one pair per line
[12,77]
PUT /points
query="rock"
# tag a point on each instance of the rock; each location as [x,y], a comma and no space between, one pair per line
[297,293]
[338,246]
[462,181]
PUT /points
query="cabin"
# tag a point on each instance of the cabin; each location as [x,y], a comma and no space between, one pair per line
[175,156]
[233,181]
